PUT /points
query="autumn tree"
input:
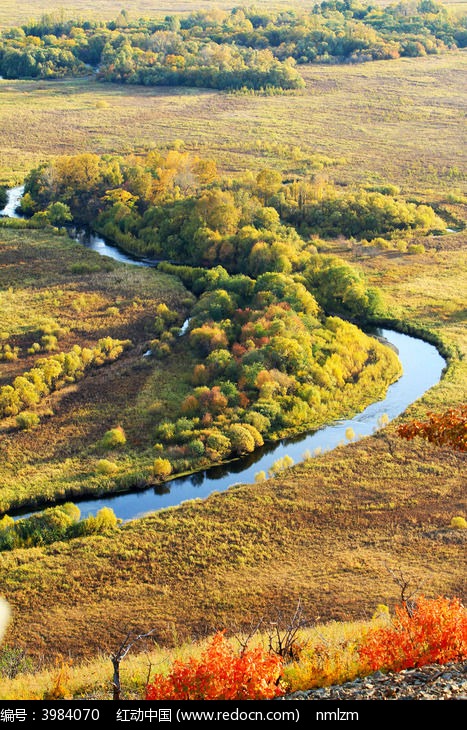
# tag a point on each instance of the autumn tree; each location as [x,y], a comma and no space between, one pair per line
[268,183]
[444,429]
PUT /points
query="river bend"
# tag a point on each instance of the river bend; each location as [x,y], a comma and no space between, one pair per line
[422,369]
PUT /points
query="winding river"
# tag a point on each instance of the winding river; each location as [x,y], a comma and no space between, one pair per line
[422,368]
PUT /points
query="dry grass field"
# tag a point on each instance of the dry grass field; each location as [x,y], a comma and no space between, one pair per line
[356,115]
[11,13]
[328,531]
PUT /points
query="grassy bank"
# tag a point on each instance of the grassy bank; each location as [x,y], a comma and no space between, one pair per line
[57,295]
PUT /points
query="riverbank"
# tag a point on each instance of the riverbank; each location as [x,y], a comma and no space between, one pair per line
[220,477]
[128,504]
[325,531]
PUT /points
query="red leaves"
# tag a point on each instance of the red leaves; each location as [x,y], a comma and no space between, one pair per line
[445,429]
[435,631]
[220,674]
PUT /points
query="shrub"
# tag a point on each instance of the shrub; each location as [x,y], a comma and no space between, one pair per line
[8,353]
[196,447]
[160,349]
[459,523]
[113,438]
[218,443]
[414,248]
[106,519]
[444,429]
[433,631]
[104,466]
[161,468]
[281,465]
[14,661]
[258,439]
[241,439]
[27,420]
[260,422]
[220,674]
[71,509]
[49,343]
[103,521]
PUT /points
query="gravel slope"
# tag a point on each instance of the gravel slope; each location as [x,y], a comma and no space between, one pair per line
[433,682]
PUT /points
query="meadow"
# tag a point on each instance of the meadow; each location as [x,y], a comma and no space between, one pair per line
[351,115]
[11,14]
[328,531]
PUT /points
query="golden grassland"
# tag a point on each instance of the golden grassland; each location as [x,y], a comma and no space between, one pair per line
[326,531]
[354,115]
[11,13]
[92,679]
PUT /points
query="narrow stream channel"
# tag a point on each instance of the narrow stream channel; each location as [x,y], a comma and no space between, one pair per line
[422,369]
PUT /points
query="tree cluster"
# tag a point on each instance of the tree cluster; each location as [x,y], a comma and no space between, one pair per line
[55,523]
[174,206]
[267,363]
[243,48]
[51,373]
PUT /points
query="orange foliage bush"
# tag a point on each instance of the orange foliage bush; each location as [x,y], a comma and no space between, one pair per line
[445,429]
[434,631]
[221,674]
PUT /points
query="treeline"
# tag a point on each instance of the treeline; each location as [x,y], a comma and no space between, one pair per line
[51,373]
[55,523]
[174,206]
[244,48]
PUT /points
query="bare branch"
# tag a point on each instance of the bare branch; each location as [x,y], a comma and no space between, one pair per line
[254,628]
[283,633]
[408,589]
[131,638]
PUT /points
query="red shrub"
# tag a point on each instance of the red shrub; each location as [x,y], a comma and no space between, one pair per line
[444,429]
[220,674]
[435,631]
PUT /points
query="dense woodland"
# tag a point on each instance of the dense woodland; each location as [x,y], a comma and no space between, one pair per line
[175,206]
[244,48]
